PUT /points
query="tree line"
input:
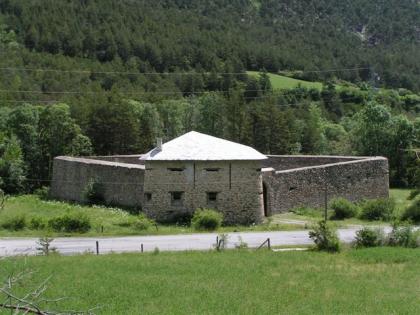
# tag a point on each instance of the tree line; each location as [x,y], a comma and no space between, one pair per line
[297,121]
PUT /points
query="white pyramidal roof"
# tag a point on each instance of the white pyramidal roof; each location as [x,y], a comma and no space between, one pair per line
[195,146]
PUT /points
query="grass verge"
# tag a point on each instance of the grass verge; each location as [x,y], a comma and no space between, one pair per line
[367,281]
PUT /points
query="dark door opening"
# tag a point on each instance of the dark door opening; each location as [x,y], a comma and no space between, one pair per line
[265,199]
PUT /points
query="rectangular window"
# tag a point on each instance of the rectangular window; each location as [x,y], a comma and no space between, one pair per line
[211,197]
[175,169]
[176,198]
[212,169]
[147,197]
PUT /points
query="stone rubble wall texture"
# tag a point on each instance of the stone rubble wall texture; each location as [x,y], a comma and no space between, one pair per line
[366,178]
[287,162]
[123,183]
[238,185]
[290,181]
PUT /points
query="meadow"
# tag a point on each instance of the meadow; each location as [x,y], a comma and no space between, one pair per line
[365,281]
[106,221]
[280,82]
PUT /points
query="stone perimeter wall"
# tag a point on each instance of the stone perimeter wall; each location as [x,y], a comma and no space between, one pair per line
[351,178]
[123,183]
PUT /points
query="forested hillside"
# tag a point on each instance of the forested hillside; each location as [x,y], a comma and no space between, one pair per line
[108,77]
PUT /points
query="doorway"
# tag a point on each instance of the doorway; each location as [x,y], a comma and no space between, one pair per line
[265,200]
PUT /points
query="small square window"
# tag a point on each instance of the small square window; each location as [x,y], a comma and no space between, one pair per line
[176,169]
[148,197]
[211,197]
[176,198]
[212,169]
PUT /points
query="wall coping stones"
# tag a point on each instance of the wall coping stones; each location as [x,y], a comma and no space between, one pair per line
[92,161]
[353,161]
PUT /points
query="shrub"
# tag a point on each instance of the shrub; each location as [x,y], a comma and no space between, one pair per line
[15,223]
[142,223]
[43,193]
[368,237]
[207,219]
[413,194]
[404,236]
[325,237]
[37,223]
[378,209]
[343,209]
[69,223]
[412,212]
[94,192]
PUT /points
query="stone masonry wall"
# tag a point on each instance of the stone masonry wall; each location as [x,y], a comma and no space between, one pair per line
[287,162]
[366,178]
[238,185]
[123,183]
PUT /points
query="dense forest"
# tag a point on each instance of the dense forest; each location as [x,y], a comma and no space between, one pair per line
[108,77]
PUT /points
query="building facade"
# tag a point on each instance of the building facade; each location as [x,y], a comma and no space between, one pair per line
[199,171]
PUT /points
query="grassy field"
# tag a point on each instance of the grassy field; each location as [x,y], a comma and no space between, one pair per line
[399,195]
[114,221]
[282,82]
[369,281]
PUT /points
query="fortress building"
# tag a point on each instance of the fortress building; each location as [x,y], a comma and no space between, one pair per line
[200,171]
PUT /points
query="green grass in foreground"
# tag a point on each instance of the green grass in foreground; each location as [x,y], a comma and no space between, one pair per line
[368,281]
[279,82]
[112,219]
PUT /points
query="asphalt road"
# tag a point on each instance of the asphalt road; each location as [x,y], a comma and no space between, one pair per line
[77,245]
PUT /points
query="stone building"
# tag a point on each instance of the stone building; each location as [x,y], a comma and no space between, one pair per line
[200,171]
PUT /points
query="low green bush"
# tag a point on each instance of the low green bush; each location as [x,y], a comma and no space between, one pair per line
[343,209]
[142,223]
[404,236]
[207,219]
[414,193]
[378,209]
[14,223]
[412,212]
[37,223]
[43,193]
[368,237]
[325,237]
[70,223]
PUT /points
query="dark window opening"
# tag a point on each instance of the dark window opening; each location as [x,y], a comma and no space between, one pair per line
[212,169]
[176,198]
[211,197]
[175,169]
[292,188]
[148,196]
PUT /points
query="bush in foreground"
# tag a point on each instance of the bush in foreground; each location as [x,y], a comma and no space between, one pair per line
[37,223]
[15,223]
[207,219]
[378,209]
[368,237]
[412,212]
[142,223]
[404,236]
[70,223]
[343,209]
[325,237]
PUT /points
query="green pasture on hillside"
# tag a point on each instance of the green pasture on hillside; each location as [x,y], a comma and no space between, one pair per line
[368,281]
[279,82]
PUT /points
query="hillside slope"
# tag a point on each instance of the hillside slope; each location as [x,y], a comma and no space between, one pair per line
[232,36]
